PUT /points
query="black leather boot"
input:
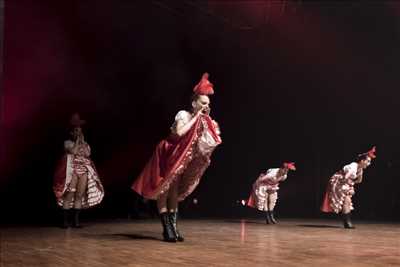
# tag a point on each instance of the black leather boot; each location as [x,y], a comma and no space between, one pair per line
[347,221]
[76,221]
[268,218]
[65,219]
[168,231]
[173,216]
[271,215]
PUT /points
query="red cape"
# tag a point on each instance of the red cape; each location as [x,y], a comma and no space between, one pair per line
[59,177]
[250,201]
[326,207]
[170,158]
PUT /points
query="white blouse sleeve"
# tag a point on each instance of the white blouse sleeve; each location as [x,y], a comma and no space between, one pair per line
[350,170]
[183,115]
[68,146]
[283,177]
[272,173]
[88,150]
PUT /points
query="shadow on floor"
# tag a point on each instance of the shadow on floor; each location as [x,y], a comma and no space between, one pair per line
[318,226]
[246,221]
[121,236]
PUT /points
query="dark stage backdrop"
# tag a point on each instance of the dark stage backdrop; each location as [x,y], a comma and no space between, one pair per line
[307,81]
[1,78]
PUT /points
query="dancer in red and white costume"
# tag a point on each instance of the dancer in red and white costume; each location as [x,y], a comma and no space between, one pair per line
[76,182]
[265,190]
[341,187]
[180,160]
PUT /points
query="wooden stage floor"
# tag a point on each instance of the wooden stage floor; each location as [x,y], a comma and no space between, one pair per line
[208,243]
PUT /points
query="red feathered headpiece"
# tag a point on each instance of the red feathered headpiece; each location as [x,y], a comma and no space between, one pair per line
[76,121]
[204,87]
[289,165]
[371,152]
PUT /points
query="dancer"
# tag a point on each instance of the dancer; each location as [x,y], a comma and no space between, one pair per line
[179,161]
[265,190]
[76,182]
[340,189]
